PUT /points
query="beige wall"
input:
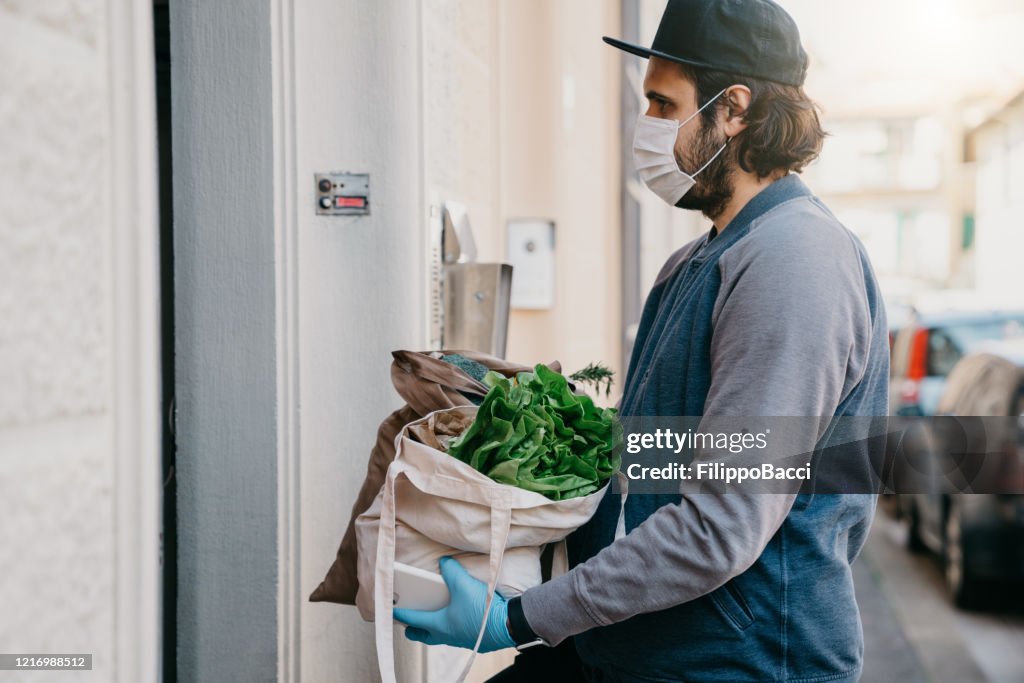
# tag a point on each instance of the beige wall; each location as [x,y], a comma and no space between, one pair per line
[560,160]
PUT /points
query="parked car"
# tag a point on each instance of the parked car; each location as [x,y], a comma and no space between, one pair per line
[980,536]
[927,347]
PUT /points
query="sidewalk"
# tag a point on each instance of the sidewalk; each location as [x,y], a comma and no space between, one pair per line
[888,655]
[910,629]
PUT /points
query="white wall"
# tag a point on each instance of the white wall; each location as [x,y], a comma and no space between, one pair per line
[79,402]
[406,92]
[357,108]
[507,107]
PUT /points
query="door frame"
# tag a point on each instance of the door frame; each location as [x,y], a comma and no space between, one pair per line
[135,332]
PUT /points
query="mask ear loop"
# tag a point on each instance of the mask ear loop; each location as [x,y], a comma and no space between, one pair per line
[706,105]
[721,149]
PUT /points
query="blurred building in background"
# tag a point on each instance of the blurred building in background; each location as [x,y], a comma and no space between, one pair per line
[996,149]
[898,181]
[903,86]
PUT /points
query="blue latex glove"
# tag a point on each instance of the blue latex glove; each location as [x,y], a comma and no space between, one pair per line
[458,622]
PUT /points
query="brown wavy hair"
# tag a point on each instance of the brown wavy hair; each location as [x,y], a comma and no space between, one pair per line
[783,131]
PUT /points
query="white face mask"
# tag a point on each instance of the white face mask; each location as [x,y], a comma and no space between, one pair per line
[654,145]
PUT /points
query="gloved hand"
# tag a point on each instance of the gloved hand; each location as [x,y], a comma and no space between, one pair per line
[458,622]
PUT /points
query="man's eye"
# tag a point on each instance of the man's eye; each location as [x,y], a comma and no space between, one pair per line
[663,105]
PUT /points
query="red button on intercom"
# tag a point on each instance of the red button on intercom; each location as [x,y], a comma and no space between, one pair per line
[350,202]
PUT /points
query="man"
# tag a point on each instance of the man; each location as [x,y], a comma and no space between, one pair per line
[774,312]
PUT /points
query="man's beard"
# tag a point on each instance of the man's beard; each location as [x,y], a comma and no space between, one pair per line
[713,188]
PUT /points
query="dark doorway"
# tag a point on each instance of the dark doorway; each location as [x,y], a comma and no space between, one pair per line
[169,535]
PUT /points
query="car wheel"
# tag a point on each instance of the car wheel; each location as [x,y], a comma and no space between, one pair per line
[963,588]
[914,542]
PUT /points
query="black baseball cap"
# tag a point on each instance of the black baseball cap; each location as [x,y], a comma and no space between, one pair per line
[754,38]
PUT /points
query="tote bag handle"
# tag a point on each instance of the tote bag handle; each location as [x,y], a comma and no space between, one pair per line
[384,581]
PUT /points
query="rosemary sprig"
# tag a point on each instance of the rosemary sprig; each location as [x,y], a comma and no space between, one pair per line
[595,374]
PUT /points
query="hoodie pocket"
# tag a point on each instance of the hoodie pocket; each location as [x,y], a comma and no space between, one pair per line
[730,602]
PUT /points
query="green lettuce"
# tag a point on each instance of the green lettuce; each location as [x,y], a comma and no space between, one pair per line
[533,432]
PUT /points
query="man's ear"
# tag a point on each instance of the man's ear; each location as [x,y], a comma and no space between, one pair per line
[736,101]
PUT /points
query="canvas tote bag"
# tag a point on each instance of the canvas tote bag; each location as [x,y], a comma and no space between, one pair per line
[432,504]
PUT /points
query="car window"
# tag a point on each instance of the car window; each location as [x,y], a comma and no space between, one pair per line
[947,344]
